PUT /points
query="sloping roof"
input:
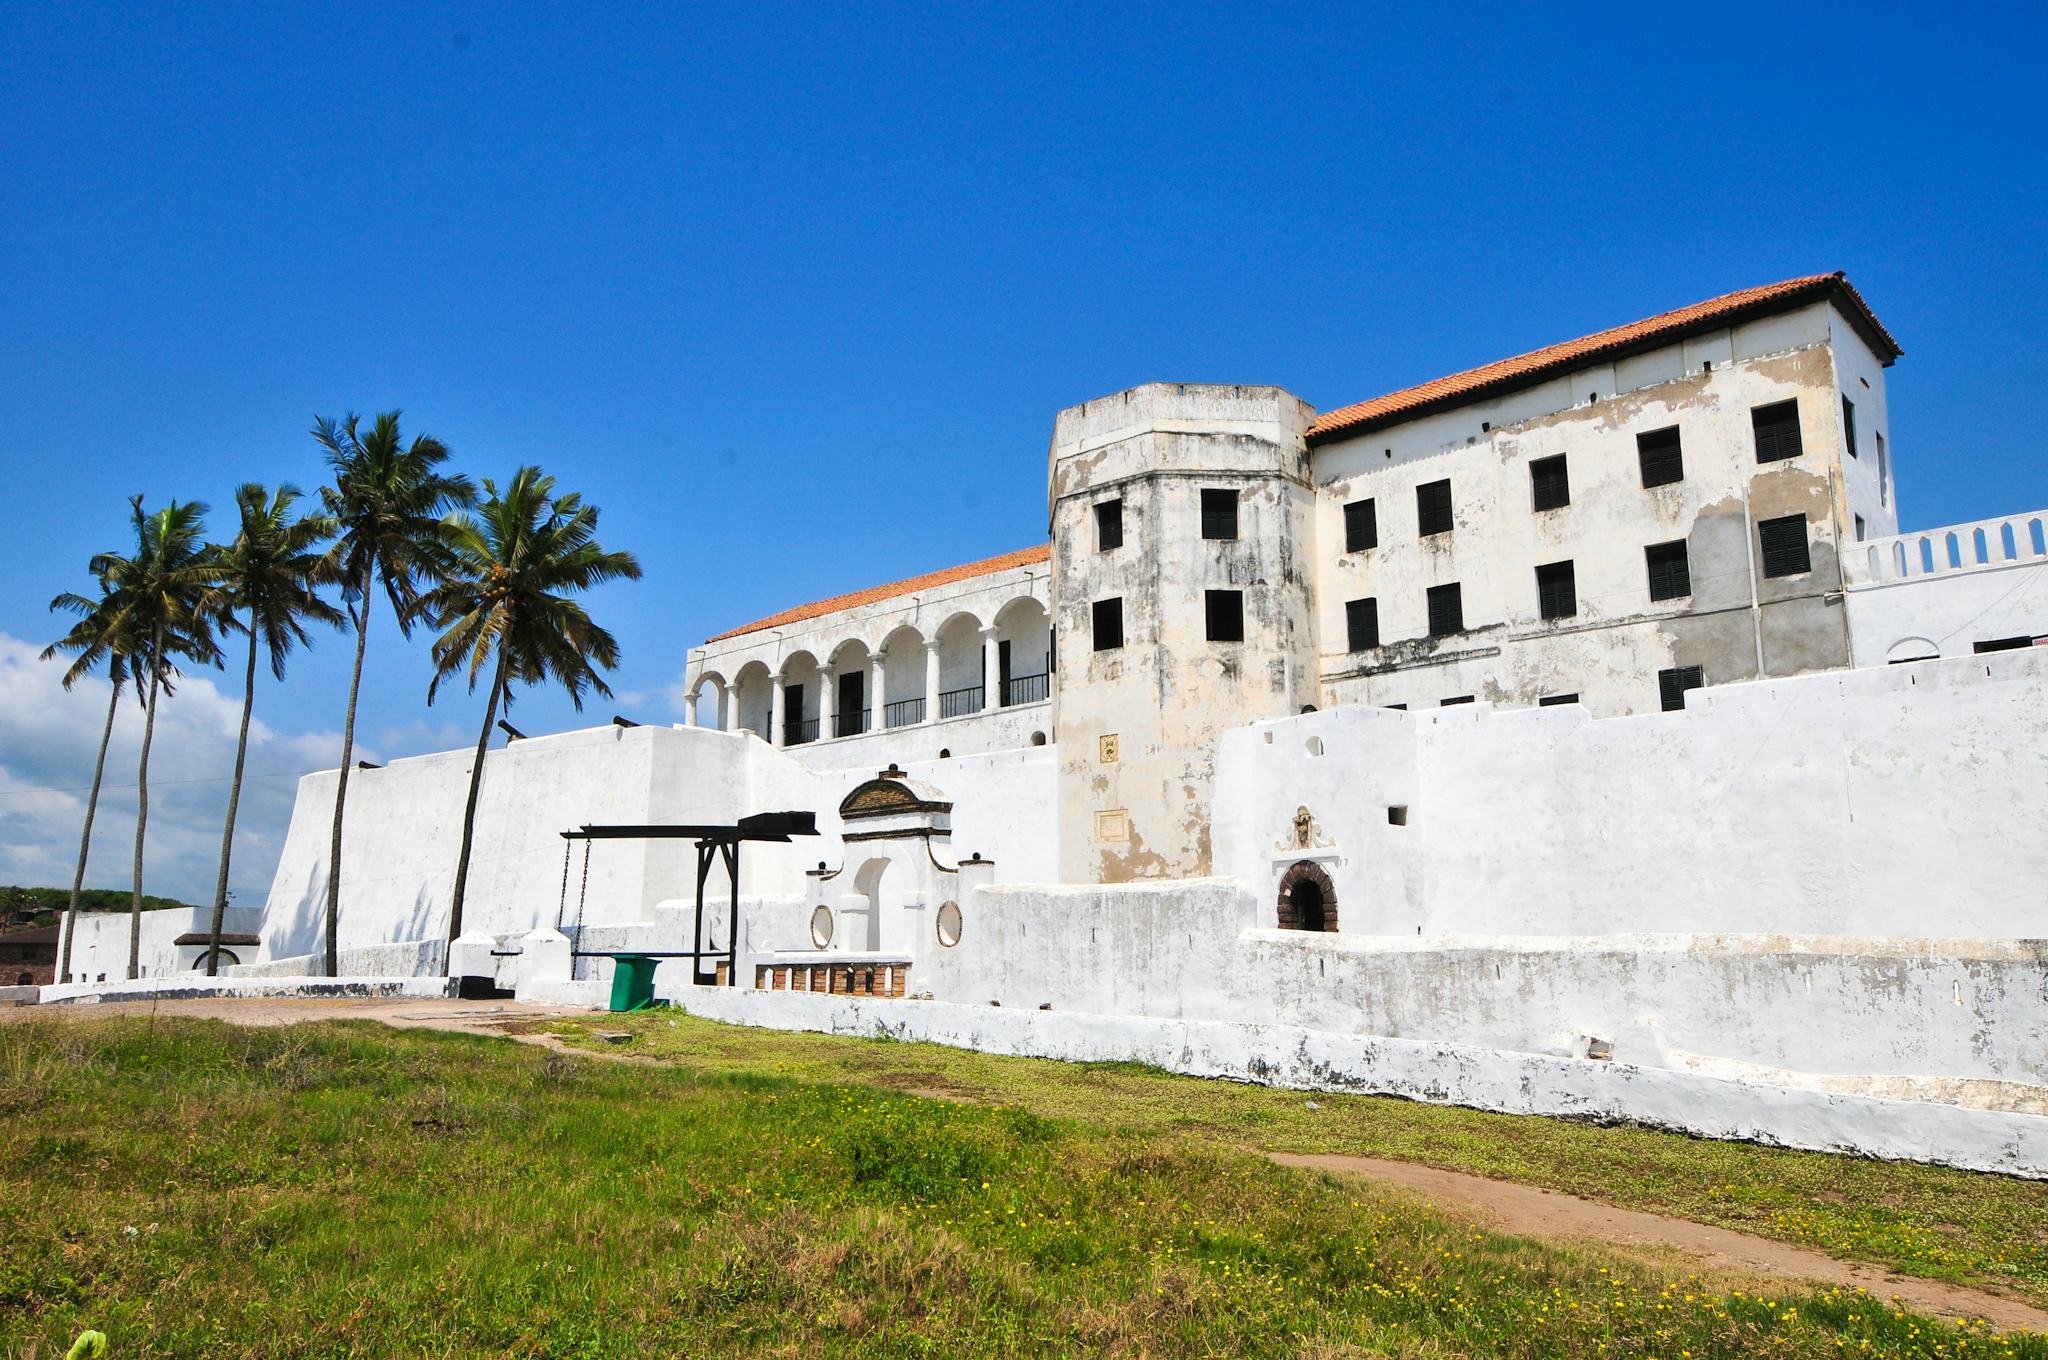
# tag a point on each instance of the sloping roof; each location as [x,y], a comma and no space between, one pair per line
[987,566]
[1526,369]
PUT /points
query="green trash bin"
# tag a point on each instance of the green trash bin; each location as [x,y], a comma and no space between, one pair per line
[632,981]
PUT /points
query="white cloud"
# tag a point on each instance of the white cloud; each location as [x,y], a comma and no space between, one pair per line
[49,736]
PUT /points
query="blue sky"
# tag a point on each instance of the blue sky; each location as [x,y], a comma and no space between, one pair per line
[793,294]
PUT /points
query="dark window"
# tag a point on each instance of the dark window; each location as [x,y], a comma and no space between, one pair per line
[1446,610]
[1225,610]
[1860,530]
[1884,472]
[1672,685]
[1784,543]
[1109,625]
[1658,451]
[1433,508]
[1454,699]
[1557,593]
[1397,706]
[1553,700]
[1670,578]
[1362,624]
[1849,425]
[1548,484]
[1777,431]
[1361,526]
[1109,525]
[1219,512]
[2011,644]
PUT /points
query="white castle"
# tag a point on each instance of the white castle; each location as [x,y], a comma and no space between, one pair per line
[1576,734]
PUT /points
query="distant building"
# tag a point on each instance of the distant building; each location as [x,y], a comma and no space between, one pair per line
[28,956]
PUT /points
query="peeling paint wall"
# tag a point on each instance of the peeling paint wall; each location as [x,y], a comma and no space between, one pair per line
[1138,723]
[1737,622]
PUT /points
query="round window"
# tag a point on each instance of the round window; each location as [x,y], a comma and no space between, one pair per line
[948,923]
[821,927]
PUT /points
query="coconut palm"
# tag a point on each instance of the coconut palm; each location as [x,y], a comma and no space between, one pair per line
[269,578]
[386,500]
[101,639]
[505,609]
[164,597]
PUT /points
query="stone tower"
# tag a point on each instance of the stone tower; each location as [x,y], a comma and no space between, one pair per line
[1181,546]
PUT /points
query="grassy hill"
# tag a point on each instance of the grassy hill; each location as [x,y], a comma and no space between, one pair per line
[44,905]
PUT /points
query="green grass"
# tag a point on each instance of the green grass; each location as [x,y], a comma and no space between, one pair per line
[1966,1227]
[197,1189]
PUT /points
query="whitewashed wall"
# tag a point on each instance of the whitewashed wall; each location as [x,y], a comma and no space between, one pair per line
[1900,801]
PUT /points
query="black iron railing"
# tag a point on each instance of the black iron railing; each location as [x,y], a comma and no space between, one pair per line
[903,712]
[1027,689]
[797,731]
[955,702]
[850,724]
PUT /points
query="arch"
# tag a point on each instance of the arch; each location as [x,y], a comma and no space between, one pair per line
[753,691]
[868,883]
[1308,899]
[1023,652]
[851,703]
[1912,649]
[721,692]
[803,697]
[960,662]
[902,677]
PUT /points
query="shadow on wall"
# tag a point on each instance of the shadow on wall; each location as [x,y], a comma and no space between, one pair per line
[300,931]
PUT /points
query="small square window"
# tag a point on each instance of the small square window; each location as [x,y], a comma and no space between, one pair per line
[1109,624]
[1849,426]
[1446,610]
[1672,685]
[1549,486]
[1777,431]
[1553,700]
[1670,575]
[1784,544]
[1109,525]
[1225,611]
[1557,593]
[1361,624]
[1662,460]
[1361,526]
[1433,508]
[1219,512]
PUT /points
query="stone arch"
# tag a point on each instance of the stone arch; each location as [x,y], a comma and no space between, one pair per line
[868,883]
[1912,649]
[720,698]
[960,652]
[1024,637]
[800,719]
[903,676]
[1308,899]
[753,691]
[853,704]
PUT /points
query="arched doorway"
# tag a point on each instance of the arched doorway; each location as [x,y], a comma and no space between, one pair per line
[1308,899]
[868,883]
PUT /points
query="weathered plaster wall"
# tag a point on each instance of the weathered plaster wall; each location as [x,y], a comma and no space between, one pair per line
[1137,724]
[1610,650]
[1901,801]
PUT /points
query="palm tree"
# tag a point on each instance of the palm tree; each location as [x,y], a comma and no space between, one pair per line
[271,573]
[100,638]
[165,598]
[505,607]
[386,500]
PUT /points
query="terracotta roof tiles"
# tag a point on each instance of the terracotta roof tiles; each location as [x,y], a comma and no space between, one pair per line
[987,566]
[1524,369]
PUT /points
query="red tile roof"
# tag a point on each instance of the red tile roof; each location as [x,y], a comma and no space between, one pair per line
[1022,558]
[1525,369]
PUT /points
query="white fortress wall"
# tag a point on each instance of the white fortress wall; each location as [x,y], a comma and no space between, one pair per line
[1902,801]
[1942,592]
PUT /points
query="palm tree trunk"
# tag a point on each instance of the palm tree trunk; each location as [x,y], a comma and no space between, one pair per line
[227,837]
[142,809]
[92,804]
[348,751]
[476,783]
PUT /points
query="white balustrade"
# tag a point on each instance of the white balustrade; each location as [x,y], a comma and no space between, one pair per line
[2011,540]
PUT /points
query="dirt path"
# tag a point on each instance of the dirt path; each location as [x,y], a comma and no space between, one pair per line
[1528,1211]
[1519,1209]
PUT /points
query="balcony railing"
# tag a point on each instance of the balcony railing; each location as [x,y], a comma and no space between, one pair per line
[797,731]
[1026,689]
[903,712]
[850,724]
[2014,540]
[954,703]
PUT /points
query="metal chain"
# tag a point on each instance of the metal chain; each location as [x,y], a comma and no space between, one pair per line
[582,892]
[562,902]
